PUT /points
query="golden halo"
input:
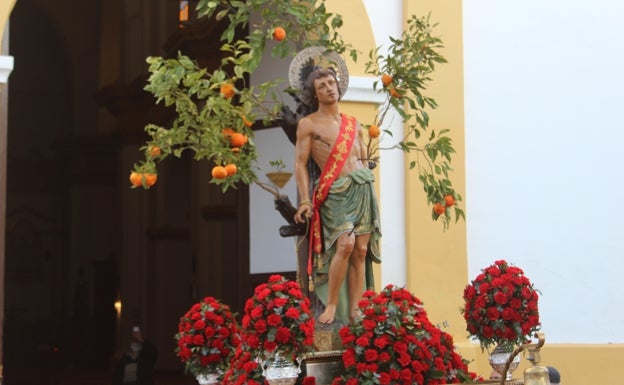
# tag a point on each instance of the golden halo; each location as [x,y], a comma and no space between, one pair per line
[308,59]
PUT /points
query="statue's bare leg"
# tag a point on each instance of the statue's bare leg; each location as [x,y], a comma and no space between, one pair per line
[337,272]
[357,273]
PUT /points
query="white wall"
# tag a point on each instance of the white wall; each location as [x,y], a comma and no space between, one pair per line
[544,133]
[269,252]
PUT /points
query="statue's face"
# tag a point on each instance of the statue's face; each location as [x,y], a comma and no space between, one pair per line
[326,89]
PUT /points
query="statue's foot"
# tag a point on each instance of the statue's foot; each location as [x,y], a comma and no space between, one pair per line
[355,315]
[328,315]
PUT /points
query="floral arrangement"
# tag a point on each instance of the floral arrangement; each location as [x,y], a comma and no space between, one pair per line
[278,315]
[395,343]
[207,337]
[501,306]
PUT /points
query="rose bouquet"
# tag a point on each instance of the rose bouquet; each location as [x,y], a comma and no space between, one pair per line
[501,306]
[207,337]
[395,343]
[278,318]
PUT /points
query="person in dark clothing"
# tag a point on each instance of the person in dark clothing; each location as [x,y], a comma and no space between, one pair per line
[136,367]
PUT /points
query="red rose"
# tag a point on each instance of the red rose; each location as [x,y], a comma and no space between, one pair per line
[217,344]
[295,293]
[262,294]
[292,313]
[380,300]
[278,287]
[399,347]
[274,319]
[370,355]
[405,375]
[369,324]
[257,312]
[501,298]
[252,340]
[224,332]
[348,357]
[508,314]
[282,335]
[362,341]
[248,304]
[526,293]
[382,341]
[209,332]
[469,292]
[184,354]
[308,380]
[492,313]
[279,302]
[270,346]
[404,359]
[260,326]
[199,324]
[381,318]
[488,332]
[198,339]
[276,278]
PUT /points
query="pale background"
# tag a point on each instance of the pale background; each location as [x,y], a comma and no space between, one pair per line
[544,133]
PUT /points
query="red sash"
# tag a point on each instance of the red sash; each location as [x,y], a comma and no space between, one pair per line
[331,171]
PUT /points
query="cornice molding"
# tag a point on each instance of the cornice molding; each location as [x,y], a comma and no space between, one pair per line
[361,90]
[6,66]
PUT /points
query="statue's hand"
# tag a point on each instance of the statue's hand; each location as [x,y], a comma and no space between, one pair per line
[304,213]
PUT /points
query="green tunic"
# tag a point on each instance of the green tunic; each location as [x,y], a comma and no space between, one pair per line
[351,205]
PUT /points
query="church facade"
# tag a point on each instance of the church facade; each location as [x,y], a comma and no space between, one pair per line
[85,257]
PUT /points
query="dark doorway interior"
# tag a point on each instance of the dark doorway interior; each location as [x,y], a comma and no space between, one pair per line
[77,237]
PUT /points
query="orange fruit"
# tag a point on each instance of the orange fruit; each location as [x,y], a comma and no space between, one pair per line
[279,34]
[386,80]
[231,169]
[154,151]
[439,208]
[227,132]
[235,150]
[394,93]
[136,179]
[238,139]
[373,131]
[227,90]
[247,123]
[219,172]
[150,179]
[449,200]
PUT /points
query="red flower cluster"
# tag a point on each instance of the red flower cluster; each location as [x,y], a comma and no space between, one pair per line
[501,306]
[244,369]
[278,316]
[207,337]
[395,343]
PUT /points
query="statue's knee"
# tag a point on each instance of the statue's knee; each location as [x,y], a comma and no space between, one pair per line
[361,250]
[345,245]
